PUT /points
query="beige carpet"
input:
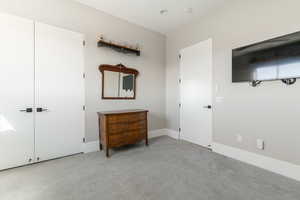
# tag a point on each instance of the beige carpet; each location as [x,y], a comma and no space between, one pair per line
[166,170]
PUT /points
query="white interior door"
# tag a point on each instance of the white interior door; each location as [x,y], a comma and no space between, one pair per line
[16,91]
[59,92]
[196,93]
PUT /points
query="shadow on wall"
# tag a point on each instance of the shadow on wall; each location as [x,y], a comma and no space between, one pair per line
[155,119]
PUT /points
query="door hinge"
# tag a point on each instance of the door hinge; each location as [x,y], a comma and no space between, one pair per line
[179,129]
[83,42]
[83,75]
[83,140]
[180,105]
[179,56]
[83,107]
[180,80]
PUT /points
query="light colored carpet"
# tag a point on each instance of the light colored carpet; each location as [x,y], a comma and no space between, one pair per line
[166,170]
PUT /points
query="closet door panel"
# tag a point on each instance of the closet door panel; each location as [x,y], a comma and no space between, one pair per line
[59,92]
[16,91]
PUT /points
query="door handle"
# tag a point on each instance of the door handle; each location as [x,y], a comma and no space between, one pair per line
[27,110]
[208,107]
[41,110]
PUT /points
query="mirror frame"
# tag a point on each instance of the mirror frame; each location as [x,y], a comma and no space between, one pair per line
[121,69]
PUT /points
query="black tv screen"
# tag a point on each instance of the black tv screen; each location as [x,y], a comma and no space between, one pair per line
[274,59]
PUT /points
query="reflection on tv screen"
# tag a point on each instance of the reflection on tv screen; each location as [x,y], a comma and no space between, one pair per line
[270,60]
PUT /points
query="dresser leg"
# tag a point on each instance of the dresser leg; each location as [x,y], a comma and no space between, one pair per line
[101,147]
[147,144]
[107,152]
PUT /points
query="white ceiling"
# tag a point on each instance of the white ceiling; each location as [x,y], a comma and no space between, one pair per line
[147,12]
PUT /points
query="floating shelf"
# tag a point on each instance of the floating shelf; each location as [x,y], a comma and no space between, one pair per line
[119,48]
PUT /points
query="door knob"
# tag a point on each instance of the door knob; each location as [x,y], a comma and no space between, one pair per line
[208,107]
[41,110]
[27,110]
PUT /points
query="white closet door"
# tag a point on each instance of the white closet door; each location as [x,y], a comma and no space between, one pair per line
[16,91]
[59,92]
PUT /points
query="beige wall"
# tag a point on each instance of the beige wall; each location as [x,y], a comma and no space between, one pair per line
[74,16]
[271,111]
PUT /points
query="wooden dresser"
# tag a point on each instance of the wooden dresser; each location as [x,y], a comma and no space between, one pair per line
[119,128]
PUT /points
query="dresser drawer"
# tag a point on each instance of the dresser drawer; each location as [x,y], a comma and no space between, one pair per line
[125,118]
[137,125]
[117,128]
[129,137]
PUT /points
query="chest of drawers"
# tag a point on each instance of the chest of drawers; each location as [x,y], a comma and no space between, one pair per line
[119,128]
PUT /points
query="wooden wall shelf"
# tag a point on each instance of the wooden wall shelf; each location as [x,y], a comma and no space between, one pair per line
[119,48]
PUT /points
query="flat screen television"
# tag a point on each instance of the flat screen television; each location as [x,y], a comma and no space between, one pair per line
[274,59]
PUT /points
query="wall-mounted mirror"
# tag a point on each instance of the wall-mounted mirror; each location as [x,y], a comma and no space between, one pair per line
[118,82]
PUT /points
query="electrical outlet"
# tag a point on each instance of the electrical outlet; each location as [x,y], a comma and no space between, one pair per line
[260,144]
[239,138]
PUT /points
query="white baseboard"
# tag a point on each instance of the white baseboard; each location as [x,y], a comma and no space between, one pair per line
[91,147]
[277,166]
[167,132]
[157,133]
[94,146]
[173,134]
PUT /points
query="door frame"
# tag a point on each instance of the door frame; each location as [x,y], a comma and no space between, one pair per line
[211,87]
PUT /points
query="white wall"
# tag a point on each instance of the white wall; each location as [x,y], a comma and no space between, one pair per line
[271,111]
[151,65]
